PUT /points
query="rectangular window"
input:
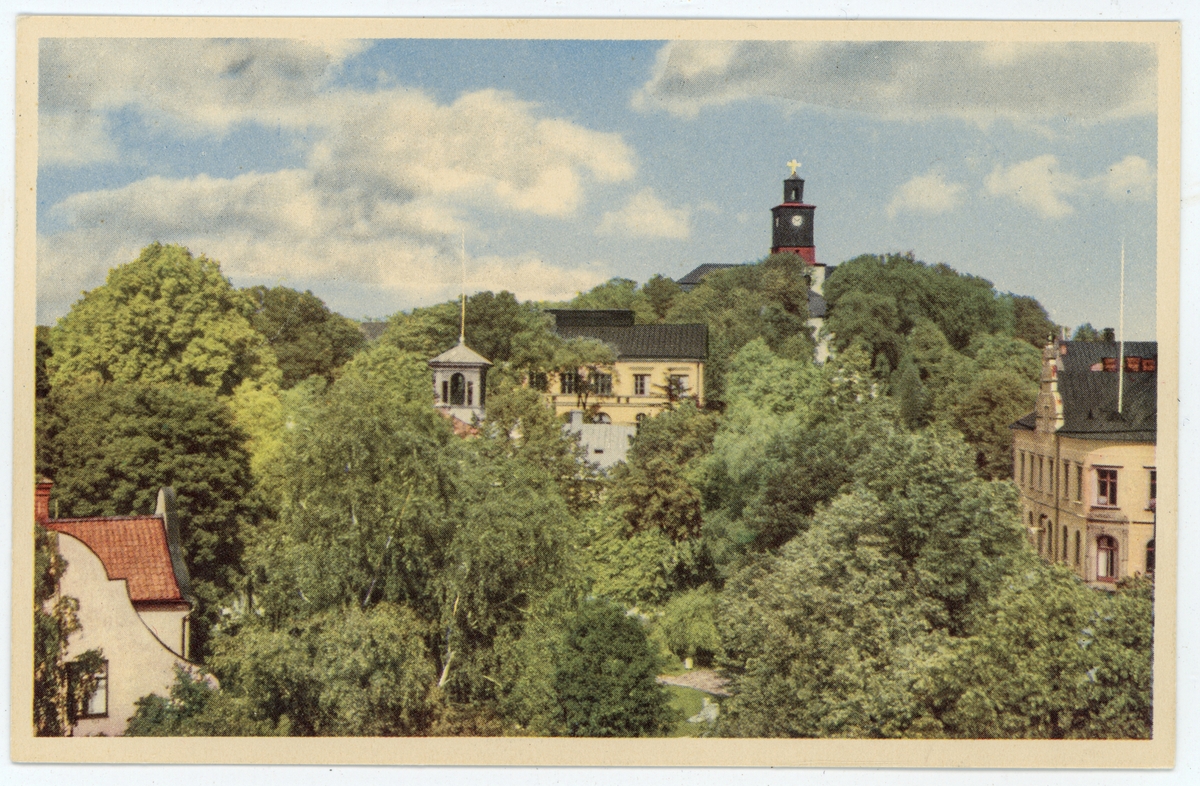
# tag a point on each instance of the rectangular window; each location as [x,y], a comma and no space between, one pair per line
[678,384]
[1066,482]
[1041,482]
[1153,488]
[1022,463]
[1077,557]
[88,690]
[1106,558]
[1106,487]
[1079,483]
[568,382]
[1065,541]
[602,384]
[641,384]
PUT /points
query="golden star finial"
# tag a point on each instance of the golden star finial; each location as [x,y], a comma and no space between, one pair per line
[794,164]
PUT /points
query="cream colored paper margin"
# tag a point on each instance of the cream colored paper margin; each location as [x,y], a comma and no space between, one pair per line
[1156,753]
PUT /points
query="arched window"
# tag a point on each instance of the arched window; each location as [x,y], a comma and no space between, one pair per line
[601,417]
[445,392]
[1150,556]
[470,394]
[458,390]
[1106,558]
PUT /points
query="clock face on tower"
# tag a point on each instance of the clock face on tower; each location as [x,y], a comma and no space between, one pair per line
[797,221]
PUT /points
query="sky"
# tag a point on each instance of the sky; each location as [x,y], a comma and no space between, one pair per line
[362,169]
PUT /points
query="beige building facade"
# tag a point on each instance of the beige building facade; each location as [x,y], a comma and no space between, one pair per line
[128,575]
[655,366]
[1085,463]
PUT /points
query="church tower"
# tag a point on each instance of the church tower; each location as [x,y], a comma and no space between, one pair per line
[792,226]
[460,382]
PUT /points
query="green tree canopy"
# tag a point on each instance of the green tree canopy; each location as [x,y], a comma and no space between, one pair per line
[339,672]
[604,676]
[891,292]
[166,317]
[365,508]
[620,293]
[1031,323]
[110,447]
[307,338]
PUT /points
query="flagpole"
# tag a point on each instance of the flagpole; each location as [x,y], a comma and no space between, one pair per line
[462,329]
[1121,328]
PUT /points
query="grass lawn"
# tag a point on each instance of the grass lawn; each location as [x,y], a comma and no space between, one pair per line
[687,702]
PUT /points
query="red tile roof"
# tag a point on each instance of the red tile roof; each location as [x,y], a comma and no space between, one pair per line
[461,427]
[133,548]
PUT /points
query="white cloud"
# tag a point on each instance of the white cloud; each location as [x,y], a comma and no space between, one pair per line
[645,215]
[485,146]
[197,85]
[928,193]
[1038,183]
[1043,185]
[975,81]
[388,180]
[282,226]
[1131,178]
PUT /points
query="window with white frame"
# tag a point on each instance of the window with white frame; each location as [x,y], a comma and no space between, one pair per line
[1106,558]
[1106,487]
[87,684]
[641,384]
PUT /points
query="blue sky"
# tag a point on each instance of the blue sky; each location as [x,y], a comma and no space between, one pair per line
[353,168]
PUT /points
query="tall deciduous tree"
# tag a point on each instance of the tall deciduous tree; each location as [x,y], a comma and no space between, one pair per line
[110,447]
[768,300]
[366,507]
[1053,658]
[307,338]
[166,317]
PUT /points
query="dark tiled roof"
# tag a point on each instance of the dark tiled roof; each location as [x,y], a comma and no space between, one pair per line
[1089,394]
[1090,397]
[1028,423]
[694,278]
[591,317]
[133,548]
[683,342]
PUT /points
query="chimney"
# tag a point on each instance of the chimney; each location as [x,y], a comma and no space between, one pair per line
[41,500]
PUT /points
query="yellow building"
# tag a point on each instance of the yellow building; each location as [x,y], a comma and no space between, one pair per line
[1084,459]
[655,365]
